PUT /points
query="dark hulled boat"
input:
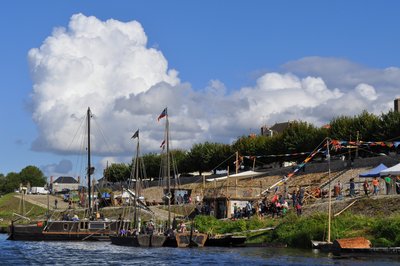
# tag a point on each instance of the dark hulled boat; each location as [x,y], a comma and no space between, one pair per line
[85,229]
[64,230]
[225,241]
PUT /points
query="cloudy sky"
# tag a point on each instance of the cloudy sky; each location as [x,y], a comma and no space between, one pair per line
[223,69]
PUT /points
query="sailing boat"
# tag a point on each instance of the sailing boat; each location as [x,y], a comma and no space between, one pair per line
[66,229]
[177,239]
[137,238]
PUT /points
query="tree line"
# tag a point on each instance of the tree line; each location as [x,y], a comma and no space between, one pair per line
[31,175]
[299,137]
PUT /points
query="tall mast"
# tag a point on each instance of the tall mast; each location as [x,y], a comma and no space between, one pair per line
[330,200]
[89,170]
[168,174]
[136,217]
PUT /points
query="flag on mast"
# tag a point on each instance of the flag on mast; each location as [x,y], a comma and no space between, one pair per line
[162,144]
[162,115]
[136,135]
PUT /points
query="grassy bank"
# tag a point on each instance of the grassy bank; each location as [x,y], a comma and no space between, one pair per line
[295,231]
[10,204]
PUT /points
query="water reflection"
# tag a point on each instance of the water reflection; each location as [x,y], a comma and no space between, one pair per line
[103,253]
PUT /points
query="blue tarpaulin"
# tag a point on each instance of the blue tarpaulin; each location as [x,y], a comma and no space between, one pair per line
[105,195]
[375,172]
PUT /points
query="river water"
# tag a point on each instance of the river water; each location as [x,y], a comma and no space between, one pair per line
[104,253]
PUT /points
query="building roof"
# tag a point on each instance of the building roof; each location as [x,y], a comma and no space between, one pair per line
[66,180]
[280,127]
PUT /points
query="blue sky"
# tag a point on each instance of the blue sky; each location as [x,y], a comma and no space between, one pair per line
[238,64]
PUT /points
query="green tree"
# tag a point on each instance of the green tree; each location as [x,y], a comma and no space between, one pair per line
[301,136]
[389,128]
[365,125]
[207,156]
[12,182]
[33,175]
[152,162]
[117,172]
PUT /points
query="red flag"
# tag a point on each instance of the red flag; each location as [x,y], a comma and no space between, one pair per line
[163,114]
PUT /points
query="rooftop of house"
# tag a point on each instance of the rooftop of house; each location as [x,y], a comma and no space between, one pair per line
[66,180]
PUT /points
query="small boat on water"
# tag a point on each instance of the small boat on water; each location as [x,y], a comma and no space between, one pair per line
[141,240]
[190,239]
[87,228]
[63,230]
[225,241]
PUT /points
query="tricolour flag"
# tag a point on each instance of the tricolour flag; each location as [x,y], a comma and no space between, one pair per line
[136,135]
[163,114]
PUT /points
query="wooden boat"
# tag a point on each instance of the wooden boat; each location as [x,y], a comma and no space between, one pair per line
[64,230]
[84,229]
[153,240]
[118,240]
[148,239]
[226,241]
[190,239]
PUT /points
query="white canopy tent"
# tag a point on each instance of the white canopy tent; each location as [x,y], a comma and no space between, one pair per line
[394,170]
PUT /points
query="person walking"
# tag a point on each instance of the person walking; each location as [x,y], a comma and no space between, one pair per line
[375,184]
[366,188]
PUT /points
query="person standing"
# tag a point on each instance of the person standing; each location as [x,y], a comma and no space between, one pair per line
[366,188]
[55,203]
[375,184]
[398,184]
[294,198]
[352,188]
[388,183]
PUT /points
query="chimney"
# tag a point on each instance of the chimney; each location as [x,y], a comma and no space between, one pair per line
[397,105]
[79,179]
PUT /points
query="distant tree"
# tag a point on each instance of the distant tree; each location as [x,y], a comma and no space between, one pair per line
[12,182]
[117,172]
[179,159]
[341,128]
[364,126]
[300,137]
[207,156]
[2,183]
[389,128]
[33,175]
[152,162]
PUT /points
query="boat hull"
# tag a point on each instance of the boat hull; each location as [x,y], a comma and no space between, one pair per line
[130,241]
[226,241]
[64,231]
[190,239]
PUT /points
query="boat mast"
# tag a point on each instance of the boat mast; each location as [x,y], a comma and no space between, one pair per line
[136,217]
[89,170]
[168,173]
[330,198]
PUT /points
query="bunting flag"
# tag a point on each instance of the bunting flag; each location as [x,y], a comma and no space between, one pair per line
[136,135]
[296,170]
[162,144]
[162,115]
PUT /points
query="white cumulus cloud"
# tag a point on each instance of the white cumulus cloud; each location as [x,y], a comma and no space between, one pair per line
[107,65]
